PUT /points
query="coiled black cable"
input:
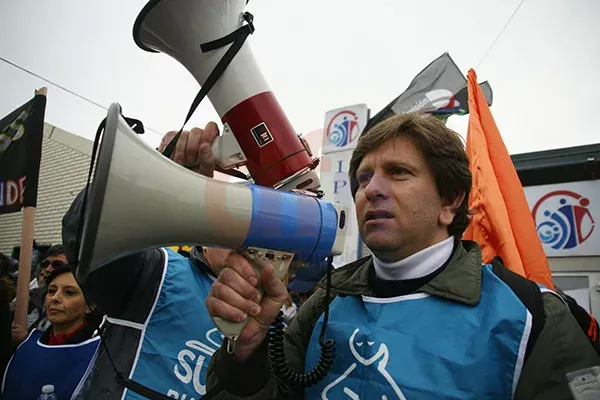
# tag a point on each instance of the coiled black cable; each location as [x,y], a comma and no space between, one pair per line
[276,348]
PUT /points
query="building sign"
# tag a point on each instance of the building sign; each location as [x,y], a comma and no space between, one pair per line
[343,126]
[342,129]
[566,216]
[336,186]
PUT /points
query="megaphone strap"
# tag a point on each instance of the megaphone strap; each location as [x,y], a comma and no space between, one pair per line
[225,40]
[237,39]
[126,382]
[138,127]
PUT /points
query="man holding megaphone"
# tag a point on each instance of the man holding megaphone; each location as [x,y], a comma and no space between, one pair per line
[158,332]
[421,318]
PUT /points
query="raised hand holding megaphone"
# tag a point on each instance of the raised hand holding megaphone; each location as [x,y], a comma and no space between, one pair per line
[243,317]
[194,149]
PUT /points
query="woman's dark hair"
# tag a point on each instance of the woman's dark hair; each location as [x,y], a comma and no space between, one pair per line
[63,270]
[58,271]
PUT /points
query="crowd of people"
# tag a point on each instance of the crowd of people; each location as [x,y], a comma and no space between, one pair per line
[61,316]
[148,308]
[421,318]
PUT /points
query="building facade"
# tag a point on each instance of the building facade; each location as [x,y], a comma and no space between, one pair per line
[562,187]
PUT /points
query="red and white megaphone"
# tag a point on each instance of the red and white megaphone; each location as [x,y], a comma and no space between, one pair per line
[274,154]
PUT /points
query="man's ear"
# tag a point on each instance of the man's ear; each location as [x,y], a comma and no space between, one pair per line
[449,209]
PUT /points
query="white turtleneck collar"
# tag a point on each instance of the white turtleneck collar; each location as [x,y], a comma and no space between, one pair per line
[417,265]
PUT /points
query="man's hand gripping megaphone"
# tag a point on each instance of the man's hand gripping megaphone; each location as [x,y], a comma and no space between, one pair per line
[193,149]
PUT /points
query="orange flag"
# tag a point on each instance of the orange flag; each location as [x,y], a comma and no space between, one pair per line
[502,223]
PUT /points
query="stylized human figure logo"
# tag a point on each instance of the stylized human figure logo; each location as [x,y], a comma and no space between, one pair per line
[343,128]
[563,219]
[342,385]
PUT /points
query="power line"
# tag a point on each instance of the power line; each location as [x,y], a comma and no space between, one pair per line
[65,89]
[499,34]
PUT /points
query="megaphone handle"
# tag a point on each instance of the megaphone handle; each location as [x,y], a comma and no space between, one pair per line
[227,151]
[281,262]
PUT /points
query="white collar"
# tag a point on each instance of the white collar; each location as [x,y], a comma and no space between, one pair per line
[417,265]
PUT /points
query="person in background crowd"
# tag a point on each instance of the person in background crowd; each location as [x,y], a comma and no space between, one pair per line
[157,331]
[36,317]
[6,265]
[289,310]
[8,290]
[62,355]
[54,258]
[5,320]
[183,250]
[420,319]
[37,255]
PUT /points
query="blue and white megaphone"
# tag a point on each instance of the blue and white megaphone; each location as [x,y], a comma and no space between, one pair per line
[139,199]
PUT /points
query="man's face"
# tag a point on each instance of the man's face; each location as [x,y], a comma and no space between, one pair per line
[48,265]
[398,207]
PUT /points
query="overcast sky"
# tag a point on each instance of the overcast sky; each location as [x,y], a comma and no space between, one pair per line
[318,55]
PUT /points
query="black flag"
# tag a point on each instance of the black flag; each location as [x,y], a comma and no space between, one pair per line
[21,134]
[437,89]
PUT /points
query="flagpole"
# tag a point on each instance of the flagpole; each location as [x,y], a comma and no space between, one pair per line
[25,256]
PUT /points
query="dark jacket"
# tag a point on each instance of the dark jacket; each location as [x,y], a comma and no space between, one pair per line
[37,299]
[561,347]
[36,314]
[125,289]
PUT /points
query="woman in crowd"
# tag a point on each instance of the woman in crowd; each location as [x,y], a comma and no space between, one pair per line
[61,357]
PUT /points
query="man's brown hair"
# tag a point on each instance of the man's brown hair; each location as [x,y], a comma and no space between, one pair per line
[442,148]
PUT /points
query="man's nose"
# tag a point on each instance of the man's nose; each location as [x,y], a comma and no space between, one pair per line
[377,187]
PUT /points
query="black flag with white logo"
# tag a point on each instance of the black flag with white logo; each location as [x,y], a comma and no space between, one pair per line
[21,134]
[439,89]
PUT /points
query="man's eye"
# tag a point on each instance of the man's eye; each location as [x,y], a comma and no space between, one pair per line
[364,178]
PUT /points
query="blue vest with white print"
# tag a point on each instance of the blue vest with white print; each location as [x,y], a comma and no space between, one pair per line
[35,365]
[421,346]
[179,337]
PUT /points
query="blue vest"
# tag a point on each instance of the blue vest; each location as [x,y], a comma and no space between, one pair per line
[178,337]
[420,346]
[35,365]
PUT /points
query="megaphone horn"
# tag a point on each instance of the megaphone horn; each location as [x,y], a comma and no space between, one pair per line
[139,199]
[198,33]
